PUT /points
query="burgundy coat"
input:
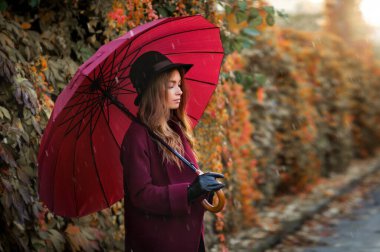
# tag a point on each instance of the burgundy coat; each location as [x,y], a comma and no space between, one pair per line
[158,216]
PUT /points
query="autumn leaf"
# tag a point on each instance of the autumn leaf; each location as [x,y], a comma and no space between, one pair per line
[7,69]
[4,113]
[72,230]
[26,26]
[260,95]
[25,94]
[7,156]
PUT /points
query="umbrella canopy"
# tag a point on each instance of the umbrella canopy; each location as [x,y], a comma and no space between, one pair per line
[78,161]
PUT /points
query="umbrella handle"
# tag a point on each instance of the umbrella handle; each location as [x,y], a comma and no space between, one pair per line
[217,206]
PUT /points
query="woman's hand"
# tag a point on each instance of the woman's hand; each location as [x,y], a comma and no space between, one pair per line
[203,184]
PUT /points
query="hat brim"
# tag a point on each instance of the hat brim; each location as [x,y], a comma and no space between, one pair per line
[185,67]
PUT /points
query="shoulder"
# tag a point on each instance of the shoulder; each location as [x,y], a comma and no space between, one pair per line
[135,134]
[137,128]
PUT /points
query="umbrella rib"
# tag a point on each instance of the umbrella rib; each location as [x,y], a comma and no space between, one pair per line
[75,181]
[96,167]
[97,119]
[204,82]
[113,136]
[108,110]
[118,78]
[113,61]
[71,106]
[71,119]
[77,113]
[121,63]
[124,57]
[78,103]
[125,89]
[102,75]
[94,100]
[80,132]
[80,123]
[126,93]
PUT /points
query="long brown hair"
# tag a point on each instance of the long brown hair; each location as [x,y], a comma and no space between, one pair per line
[155,113]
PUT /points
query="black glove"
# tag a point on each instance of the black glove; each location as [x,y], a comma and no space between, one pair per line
[203,184]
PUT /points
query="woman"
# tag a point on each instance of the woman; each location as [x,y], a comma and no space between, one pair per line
[163,209]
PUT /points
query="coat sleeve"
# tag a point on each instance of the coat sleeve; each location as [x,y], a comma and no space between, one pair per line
[153,199]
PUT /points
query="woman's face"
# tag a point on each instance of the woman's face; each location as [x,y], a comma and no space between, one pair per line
[174,90]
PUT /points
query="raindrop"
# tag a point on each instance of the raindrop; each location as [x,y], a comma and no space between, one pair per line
[187,227]
[94,149]
[117,80]
[173,46]
[46,153]
[132,33]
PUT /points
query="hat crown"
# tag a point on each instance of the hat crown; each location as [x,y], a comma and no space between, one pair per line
[142,70]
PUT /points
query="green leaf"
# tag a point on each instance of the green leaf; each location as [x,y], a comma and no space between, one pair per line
[5,112]
[242,5]
[236,45]
[254,13]
[57,239]
[248,80]
[238,76]
[269,9]
[251,31]
[270,20]
[7,156]
[256,22]
[240,16]
[171,8]
[260,78]
[282,14]
[228,9]
[43,235]
[248,43]
[163,12]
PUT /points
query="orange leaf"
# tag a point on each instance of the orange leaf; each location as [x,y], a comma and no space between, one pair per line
[260,94]
[26,26]
[72,230]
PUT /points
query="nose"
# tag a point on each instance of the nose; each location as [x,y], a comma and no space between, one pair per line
[179,91]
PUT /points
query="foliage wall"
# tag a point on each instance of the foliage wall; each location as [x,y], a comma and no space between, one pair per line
[320,108]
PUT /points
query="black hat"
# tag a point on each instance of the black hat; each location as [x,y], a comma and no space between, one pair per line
[149,65]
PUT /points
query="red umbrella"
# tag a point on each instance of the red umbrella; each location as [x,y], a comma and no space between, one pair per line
[79,167]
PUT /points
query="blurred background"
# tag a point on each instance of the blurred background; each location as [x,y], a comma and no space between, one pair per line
[297,105]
